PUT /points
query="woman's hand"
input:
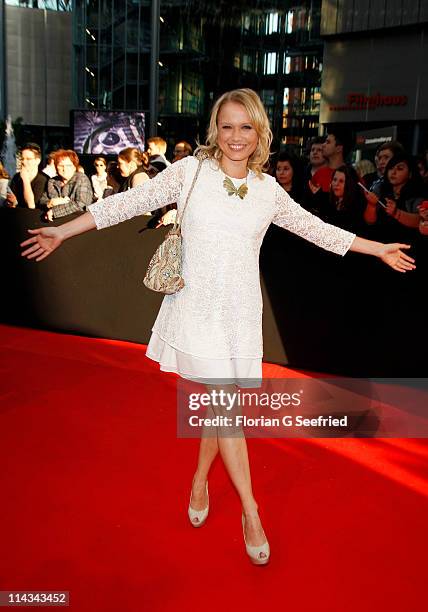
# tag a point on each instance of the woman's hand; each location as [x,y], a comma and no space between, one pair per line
[391,207]
[392,255]
[42,243]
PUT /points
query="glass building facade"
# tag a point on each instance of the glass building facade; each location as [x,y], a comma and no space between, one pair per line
[50,5]
[206,48]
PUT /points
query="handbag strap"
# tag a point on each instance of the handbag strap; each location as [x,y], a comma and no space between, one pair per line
[189,193]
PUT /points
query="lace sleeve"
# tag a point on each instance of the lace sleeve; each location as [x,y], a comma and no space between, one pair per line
[296,219]
[163,189]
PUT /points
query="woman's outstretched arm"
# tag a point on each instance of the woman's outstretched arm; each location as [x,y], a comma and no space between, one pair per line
[391,254]
[46,239]
[293,217]
[164,189]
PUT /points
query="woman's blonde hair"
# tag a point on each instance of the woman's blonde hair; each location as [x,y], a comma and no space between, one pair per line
[259,119]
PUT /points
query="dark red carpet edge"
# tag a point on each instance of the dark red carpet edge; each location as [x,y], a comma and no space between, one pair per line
[95,486]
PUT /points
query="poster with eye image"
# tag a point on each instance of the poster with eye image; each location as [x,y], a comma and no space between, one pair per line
[107,132]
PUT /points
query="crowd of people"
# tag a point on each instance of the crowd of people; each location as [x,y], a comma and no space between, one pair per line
[62,187]
[387,201]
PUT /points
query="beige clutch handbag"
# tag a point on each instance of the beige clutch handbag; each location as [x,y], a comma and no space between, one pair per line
[165,267]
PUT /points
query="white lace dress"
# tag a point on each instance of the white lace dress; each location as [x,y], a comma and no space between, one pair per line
[212,328]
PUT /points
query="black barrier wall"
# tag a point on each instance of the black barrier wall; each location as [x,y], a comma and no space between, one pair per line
[351,316]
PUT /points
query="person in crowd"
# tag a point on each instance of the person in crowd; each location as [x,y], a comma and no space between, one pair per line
[316,157]
[402,192]
[384,153]
[134,167]
[365,168]
[156,148]
[317,178]
[334,151]
[29,184]
[50,169]
[99,179]
[335,148]
[114,179]
[68,192]
[347,201]
[4,184]
[209,329]
[289,174]
[182,149]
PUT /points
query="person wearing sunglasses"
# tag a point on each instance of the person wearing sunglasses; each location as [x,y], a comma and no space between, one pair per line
[99,179]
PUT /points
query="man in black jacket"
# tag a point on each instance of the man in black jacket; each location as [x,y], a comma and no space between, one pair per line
[29,184]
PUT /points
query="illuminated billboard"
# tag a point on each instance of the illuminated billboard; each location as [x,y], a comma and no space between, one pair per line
[107,132]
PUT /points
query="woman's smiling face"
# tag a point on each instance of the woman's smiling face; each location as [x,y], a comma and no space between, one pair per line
[237,136]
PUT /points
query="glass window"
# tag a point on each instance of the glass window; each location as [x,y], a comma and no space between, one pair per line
[289,22]
[272,23]
[270,63]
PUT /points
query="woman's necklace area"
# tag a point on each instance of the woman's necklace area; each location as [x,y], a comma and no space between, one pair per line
[241,191]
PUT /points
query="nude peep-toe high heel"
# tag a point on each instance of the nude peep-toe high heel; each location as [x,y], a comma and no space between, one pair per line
[198,517]
[259,555]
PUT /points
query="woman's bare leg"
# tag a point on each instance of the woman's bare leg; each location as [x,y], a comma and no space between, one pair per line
[208,450]
[234,452]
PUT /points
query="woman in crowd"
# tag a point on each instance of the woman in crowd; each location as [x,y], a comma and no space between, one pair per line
[99,179]
[384,153]
[134,167]
[289,174]
[347,202]
[4,182]
[402,192]
[114,179]
[68,192]
[212,327]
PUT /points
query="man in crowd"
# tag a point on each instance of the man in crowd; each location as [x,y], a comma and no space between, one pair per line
[316,157]
[182,149]
[335,149]
[29,184]
[156,148]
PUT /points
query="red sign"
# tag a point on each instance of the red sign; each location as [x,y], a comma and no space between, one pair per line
[358,101]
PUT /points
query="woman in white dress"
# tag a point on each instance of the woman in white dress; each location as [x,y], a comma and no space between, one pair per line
[212,328]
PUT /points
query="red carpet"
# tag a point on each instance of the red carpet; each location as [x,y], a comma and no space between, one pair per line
[95,488]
